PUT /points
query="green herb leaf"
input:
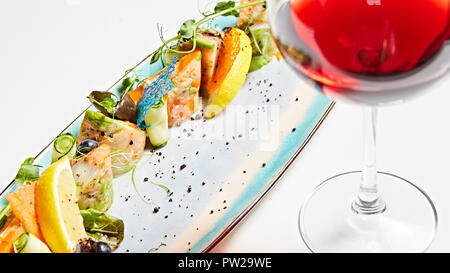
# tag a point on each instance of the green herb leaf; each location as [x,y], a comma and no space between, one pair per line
[103,101]
[187,30]
[263,47]
[125,85]
[156,56]
[224,5]
[27,172]
[108,104]
[103,227]
[189,27]
[129,82]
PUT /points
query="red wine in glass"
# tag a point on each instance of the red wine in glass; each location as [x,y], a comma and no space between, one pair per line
[366,51]
[372,53]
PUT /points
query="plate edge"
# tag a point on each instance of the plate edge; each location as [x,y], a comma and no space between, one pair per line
[279,175]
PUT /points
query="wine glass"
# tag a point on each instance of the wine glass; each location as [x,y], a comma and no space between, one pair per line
[371,53]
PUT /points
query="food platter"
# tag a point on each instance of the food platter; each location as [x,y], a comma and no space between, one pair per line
[216,169]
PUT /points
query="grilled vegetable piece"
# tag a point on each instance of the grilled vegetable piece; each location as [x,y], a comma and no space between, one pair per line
[93,176]
[127,142]
[28,243]
[157,119]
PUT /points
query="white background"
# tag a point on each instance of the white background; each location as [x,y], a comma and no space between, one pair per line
[53,53]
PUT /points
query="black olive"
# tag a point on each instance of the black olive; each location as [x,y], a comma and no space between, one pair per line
[100,247]
[86,146]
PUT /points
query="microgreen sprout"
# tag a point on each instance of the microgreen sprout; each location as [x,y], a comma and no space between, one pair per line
[136,189]
[188,31]
[169,192]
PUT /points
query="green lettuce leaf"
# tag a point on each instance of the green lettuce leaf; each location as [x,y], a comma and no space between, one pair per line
[263,47]
[258,62]
[103,101]
[187,30]
[224,5]
[27,172]
[103,227]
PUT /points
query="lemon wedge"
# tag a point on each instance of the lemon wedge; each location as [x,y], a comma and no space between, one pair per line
[234,62]
[57,210]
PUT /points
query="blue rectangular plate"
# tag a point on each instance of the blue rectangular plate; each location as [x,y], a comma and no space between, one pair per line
[217,169]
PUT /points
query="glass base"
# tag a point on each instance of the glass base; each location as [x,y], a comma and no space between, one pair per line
[328,223]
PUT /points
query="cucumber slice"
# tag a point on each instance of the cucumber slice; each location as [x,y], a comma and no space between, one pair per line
[158,120]
[4,213]
[64,145]
[28,243]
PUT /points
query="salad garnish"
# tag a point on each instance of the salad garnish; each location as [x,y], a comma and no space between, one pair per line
[103,227]
[169,192]
[159,54]
[136,189]
[27,173]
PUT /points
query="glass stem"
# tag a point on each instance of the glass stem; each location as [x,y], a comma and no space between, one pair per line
[368,200]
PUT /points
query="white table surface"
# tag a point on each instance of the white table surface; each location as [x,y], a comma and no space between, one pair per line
[53,53]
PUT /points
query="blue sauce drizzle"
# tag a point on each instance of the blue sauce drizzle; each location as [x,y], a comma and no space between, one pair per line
[153,93]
